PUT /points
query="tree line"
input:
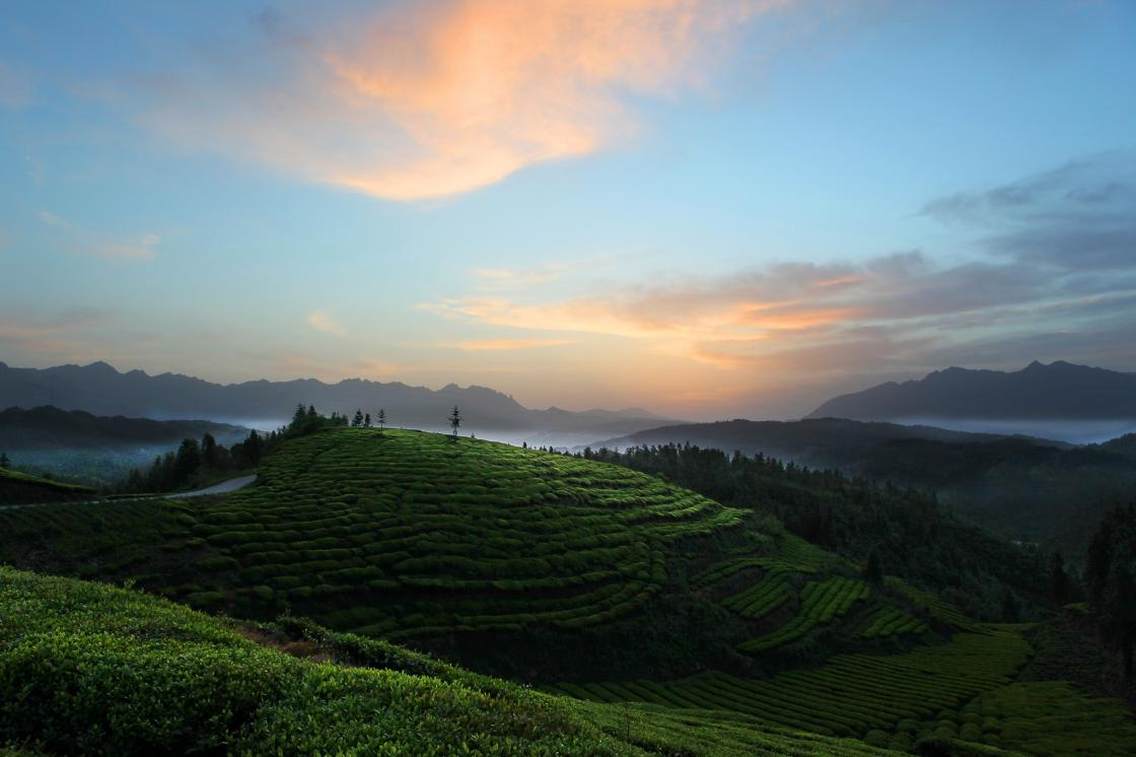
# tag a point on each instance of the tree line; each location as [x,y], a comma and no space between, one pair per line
[201,461]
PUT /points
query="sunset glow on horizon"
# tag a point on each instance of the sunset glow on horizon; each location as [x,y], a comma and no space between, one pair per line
[708,209]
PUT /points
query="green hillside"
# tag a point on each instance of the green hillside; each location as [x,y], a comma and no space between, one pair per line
[17,488]
[657,617]
[403,534]
[88,668]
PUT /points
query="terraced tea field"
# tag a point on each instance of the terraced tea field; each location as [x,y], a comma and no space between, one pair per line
[88,668]
[414,536]
[821,602]
[891,621]
[409,534]
[848,695]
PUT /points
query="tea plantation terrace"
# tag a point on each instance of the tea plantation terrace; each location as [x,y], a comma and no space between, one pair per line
[396,533]
[90,668]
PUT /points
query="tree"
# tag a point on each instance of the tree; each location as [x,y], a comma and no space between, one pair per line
[382,418]
[299,418]
[874,571]
[187,462]
[1110,571]
[455,420]
[4,461]
[367,420]
[1011,607]
[1058,579]
[357,421]
[209,454]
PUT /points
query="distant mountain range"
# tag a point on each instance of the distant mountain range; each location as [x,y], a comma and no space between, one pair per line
[1059,390]
[100,389]
[49,428]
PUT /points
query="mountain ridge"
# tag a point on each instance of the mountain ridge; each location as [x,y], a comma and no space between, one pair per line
[1058,390]
[103,390]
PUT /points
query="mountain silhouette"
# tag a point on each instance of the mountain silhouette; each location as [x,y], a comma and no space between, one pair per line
[1059,390]
[100,389]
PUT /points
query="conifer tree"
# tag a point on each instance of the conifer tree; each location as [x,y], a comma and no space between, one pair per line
[455,420]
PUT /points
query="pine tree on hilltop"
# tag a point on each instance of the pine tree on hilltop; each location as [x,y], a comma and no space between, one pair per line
[382,418]
[357,421]
[299,418]
[367,420]
[455,420]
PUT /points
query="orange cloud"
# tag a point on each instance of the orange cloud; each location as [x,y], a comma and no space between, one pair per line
[432,99]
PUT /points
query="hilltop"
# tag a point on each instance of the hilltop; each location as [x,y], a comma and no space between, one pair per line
[101,389]
[1057,391]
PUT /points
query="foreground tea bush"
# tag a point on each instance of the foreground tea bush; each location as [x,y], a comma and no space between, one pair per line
[88,668]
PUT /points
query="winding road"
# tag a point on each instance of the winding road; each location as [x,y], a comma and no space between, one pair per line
[222,488]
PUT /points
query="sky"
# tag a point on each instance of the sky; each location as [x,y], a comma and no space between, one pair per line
[705,208]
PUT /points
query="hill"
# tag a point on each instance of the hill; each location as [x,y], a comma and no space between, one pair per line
[1058,391]
[403,534]
[49,428]
[815,442]
[99,388]
[714,629]
[86,668]
[17,488]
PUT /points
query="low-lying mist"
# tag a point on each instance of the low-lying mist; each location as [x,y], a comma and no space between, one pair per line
[1057,429]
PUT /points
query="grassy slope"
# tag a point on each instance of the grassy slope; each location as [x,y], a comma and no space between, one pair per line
[90,668]
[18,488]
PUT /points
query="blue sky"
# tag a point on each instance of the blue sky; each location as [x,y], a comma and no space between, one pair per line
[706,208]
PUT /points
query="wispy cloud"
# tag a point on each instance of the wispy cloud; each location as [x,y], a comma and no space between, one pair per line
[83,241]
[500,345]
[510,278]
[421,100]
[320,320]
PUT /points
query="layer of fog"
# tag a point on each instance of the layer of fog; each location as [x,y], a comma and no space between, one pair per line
[1071,431]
